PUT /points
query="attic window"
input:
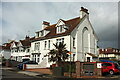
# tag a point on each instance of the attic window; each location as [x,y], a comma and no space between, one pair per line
[60,29]
[37,34]
[42,33]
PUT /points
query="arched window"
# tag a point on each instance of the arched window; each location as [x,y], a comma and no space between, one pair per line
[84,29]
[85,40]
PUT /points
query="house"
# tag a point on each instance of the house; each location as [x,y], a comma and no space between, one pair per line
[77,33]
[20,50]
[109,53]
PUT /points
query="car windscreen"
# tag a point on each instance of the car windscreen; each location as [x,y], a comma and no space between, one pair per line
[116,66]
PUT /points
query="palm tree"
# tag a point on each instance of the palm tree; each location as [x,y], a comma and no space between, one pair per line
[59,54]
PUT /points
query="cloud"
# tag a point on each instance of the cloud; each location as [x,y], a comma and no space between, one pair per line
[19,18]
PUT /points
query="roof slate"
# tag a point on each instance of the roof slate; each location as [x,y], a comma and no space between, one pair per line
[27,42]
[72,23]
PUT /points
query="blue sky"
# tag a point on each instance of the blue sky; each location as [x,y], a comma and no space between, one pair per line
[20,17]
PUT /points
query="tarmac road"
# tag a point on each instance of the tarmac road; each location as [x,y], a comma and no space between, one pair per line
[7,74]
[10,75]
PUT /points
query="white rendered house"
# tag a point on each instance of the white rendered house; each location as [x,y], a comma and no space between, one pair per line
[77,33]
[20,51]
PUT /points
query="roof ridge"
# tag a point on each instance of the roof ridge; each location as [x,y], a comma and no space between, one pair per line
[72,19]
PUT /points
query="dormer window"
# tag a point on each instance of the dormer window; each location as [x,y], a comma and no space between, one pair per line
[60,29]
[41,33]
[37,34]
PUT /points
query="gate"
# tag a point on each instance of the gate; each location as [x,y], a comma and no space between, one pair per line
[88,69]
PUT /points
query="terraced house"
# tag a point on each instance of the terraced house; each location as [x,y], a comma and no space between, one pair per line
[109,53]
[77,33]
[20,50]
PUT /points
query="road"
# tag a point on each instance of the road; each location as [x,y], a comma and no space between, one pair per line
[13,75]
[10,75]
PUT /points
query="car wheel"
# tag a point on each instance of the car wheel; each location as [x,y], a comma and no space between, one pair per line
[111,72]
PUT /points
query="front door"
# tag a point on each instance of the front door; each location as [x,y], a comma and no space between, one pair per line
[88,59]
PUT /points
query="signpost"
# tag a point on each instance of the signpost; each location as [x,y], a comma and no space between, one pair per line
[99,65]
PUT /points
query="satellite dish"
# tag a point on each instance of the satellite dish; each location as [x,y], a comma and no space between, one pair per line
[7,55]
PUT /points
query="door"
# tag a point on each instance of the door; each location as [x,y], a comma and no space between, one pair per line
[88,59]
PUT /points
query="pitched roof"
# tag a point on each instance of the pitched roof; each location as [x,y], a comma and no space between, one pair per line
[72,23]
[109,51]
[7,46]
[27,42]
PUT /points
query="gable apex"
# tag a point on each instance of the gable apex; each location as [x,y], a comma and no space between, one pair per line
[60,21]
[19,43]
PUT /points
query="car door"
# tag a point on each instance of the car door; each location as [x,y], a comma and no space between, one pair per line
[106,67]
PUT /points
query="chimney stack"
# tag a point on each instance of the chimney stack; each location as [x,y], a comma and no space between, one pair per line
[45,24]
[83,12]
[27,37]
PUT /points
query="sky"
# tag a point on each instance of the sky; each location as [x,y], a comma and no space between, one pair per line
[19,19]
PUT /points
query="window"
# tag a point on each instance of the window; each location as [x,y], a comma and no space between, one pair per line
[49,44]
[60,29]
[32,57]
[102,49]
[38,59]
[106,49]
[45,45]
[37,46]
[35,57]
[62,40]
[16,50]
[28,50]
[42,33]
[21,50]
[114,50]
[106,64]
[73,42]
[58,41]
[37,34]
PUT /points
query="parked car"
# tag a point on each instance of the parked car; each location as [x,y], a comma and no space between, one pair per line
[111,68]
[20,66]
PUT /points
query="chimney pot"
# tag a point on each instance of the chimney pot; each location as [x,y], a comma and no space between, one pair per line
[84,12]
[45,24]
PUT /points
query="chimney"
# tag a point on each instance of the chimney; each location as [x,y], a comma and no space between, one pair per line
[45,24]
[83,12]
[27,37]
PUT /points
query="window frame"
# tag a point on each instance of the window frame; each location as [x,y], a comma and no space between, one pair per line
[45,45]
